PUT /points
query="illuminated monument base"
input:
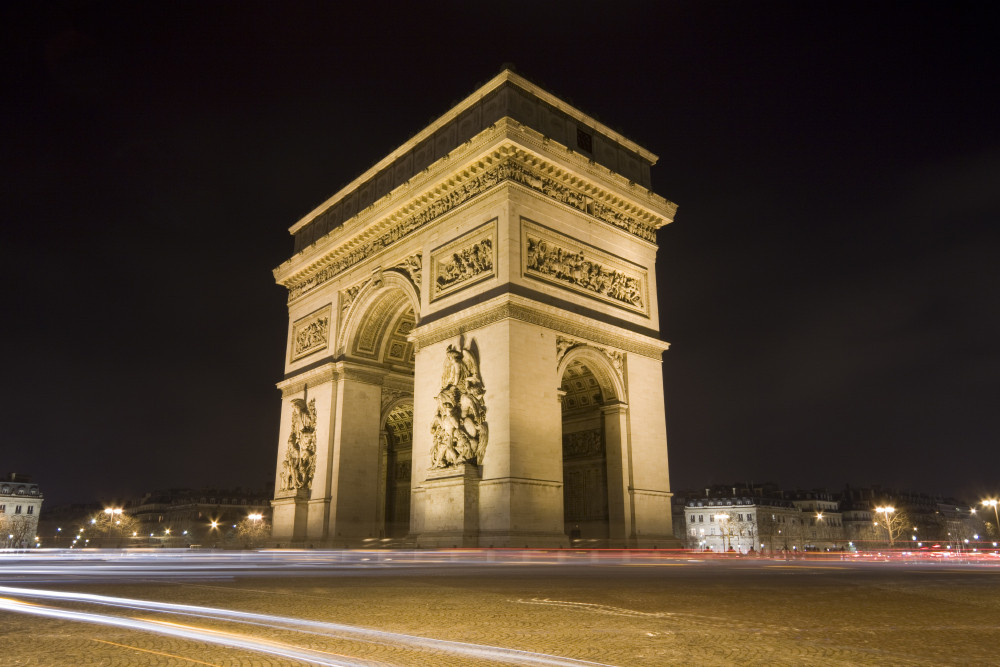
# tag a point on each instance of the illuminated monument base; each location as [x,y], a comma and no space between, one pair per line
[473,354]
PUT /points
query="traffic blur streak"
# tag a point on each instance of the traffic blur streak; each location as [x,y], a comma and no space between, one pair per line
[115,565]
[336,630]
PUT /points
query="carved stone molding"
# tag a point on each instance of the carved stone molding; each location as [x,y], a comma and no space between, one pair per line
[459,430]
[312,377]
[390,395]
[617,359]
[475,182]
[347,296]
[465,261]
[508,309]
[412,266]
[311,333]
[557,259]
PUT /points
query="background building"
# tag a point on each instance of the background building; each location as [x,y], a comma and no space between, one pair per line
[20,507]
[736,517]
[206,517]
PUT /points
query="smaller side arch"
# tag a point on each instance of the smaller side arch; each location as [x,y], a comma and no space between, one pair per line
[389,288]
[597,362]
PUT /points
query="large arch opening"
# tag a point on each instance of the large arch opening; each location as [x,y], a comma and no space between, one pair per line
[591,400]
[380,320]
[397,453]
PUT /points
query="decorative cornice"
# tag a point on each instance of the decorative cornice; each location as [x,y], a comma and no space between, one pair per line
[505,164]
[330,372]
[313,377]
[509,306]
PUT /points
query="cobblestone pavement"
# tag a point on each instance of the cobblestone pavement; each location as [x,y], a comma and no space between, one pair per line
[662,612]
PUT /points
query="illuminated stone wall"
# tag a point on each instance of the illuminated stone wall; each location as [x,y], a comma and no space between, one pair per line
[463,291]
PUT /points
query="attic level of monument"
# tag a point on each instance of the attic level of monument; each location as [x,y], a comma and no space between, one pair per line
[507,95]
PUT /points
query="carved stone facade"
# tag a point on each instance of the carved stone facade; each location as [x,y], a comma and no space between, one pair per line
[476,327]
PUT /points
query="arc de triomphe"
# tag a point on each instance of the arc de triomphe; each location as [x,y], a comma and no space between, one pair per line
[473,349]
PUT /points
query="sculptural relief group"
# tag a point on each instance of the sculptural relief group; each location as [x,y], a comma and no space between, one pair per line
[466,264]
[552,261]
[299,466]
[459,430]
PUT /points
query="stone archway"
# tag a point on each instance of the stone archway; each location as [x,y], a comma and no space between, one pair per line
[396,473]
[593,499]
[373,430]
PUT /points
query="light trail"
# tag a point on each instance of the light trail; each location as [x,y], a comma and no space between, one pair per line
[210,637]
[336,630]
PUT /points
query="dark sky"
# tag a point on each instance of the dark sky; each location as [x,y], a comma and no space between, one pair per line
[830,286]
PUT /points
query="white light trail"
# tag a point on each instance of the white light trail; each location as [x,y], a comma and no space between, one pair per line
[463,649]
[208,636]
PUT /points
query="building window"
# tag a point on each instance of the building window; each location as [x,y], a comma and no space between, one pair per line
[31,509]
[17,509]
[711,518]
[3,509]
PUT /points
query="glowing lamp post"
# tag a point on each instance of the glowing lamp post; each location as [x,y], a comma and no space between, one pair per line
[112,513]
[992,502]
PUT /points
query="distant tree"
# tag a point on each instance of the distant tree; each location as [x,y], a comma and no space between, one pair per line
[113,528]
[890,524]
[16,530]
[767,529]
[253,530]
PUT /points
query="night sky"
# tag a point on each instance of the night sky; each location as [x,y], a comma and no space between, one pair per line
[830,287]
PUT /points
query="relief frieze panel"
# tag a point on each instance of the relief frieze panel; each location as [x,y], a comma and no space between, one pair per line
[311,333]
[583,444]
[508,170]
[465,261]
[551,257]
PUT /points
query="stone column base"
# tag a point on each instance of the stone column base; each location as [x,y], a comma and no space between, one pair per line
[289,514]
[451,507]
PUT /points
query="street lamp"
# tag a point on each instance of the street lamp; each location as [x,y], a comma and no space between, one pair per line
[992,502]
[113,512]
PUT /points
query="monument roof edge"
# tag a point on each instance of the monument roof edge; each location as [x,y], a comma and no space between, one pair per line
[504,76]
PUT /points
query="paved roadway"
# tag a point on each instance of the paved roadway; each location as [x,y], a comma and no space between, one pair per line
[490,608]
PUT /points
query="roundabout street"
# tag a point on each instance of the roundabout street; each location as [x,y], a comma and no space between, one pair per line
[484,607]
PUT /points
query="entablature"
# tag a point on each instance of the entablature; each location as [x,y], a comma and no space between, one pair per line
[508,153]
[512,306]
